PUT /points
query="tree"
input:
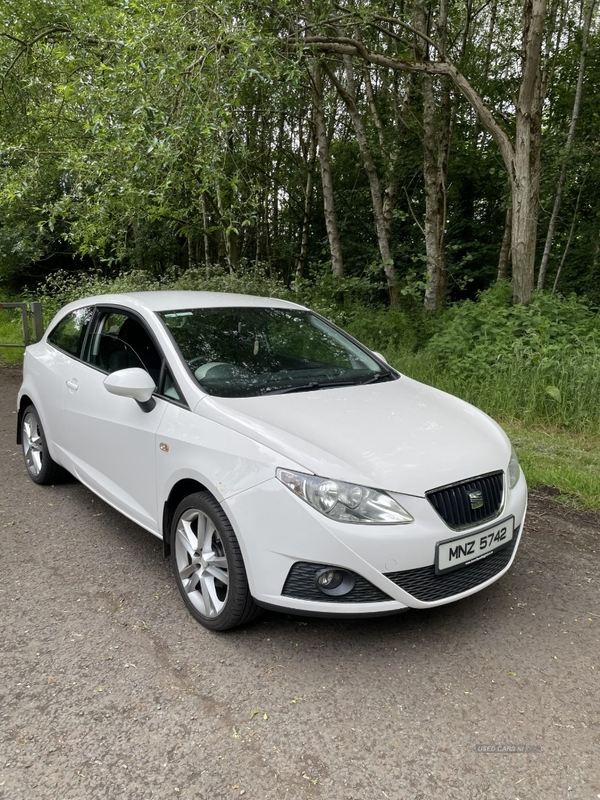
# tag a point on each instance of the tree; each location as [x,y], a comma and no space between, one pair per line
[521,156]
[335,247]
[437,124]
[147,136]
[568,146]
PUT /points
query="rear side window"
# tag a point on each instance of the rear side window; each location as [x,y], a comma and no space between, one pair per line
[69,333]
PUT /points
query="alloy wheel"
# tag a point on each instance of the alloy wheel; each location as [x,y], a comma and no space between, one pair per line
[201,562]
[33,444]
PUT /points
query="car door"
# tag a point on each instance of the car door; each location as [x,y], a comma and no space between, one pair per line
[51,368]
[111,440]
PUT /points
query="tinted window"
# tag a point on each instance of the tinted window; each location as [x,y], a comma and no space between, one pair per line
[69,334]
[241,352]
[121,342]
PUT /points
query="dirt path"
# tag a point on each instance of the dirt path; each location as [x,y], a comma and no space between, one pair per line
[110,690]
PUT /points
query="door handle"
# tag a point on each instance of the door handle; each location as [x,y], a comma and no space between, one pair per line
[72,385]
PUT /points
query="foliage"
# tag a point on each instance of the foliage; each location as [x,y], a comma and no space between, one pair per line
[11,333]
[534,363]
[135,136]
[136,116]
[476,336]
[64,287]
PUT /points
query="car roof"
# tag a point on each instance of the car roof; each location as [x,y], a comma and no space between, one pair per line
[183,300]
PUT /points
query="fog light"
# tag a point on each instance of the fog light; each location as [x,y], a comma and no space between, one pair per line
[335,582]
[330,579]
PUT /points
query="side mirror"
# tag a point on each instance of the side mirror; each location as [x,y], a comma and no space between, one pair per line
[380,356]
[135,383]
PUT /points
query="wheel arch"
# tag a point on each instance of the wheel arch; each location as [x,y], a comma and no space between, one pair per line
[179,491]
[23,403]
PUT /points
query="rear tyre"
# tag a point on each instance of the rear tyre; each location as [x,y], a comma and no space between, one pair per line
[208,565]
[41,467]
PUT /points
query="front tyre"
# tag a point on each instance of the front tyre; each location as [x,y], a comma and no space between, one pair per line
[41,467]
[208,565]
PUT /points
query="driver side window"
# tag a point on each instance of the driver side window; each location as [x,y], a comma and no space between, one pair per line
[120,341]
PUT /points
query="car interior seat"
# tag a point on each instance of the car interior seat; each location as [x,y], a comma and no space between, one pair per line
[140,348]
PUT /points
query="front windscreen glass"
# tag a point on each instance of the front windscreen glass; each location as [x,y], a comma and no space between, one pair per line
[244,352]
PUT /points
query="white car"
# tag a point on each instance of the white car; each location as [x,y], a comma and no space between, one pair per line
[283,464]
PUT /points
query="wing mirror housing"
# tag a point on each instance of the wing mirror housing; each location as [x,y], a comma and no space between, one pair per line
[134,383]
[380,356]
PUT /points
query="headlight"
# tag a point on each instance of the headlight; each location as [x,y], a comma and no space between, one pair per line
[345,502]
[514,470]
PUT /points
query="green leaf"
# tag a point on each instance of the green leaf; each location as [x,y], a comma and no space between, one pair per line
[554,392]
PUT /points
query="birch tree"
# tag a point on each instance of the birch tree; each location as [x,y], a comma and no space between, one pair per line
[335,247]
[348,94]
[568,146]
[521,155]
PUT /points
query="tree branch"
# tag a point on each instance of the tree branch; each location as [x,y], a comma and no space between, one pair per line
[347,46]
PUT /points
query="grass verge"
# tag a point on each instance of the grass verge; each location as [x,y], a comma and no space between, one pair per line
[10,333]
[567,462]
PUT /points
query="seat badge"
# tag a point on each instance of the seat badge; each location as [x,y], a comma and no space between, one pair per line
[476,499]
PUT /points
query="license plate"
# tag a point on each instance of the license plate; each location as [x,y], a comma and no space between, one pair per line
[463,550]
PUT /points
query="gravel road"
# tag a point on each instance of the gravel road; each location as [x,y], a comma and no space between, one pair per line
[109,689]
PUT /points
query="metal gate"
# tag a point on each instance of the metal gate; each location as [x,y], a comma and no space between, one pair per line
[28,310]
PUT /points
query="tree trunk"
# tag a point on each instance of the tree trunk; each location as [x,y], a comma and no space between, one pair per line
[526,174]
[205,234]
[191,251]
[521,159]
[308,191]
[568,244]
[390,154]
[437,121]
[434,222]
[490,38]
[435,167]
[504,258]
[333,235]
[348,95]
[230,237]
[568,147]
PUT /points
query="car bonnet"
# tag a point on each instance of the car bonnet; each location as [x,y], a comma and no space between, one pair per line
[401,436]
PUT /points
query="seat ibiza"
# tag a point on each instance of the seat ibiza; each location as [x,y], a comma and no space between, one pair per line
[282,463]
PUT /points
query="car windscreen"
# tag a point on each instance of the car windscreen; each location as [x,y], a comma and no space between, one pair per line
[248,351]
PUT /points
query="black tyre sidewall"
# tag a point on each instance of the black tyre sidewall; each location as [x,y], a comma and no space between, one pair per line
[234,611]
[50,470]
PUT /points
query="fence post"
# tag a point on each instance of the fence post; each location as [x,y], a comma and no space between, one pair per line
[25,323]
[38,321]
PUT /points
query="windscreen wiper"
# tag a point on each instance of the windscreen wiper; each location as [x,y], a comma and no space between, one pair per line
[380,376]
[299,387]
[312,385]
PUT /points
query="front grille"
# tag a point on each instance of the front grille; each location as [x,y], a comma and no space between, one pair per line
[300,583]
[423,584]
[454,505]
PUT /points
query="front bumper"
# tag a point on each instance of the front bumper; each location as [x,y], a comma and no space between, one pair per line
[285,542]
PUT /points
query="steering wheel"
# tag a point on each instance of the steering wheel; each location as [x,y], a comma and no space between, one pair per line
[216,370]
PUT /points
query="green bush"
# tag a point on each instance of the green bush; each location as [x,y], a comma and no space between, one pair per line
[539,362]
[247,280]
[62,287]
[390,332]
